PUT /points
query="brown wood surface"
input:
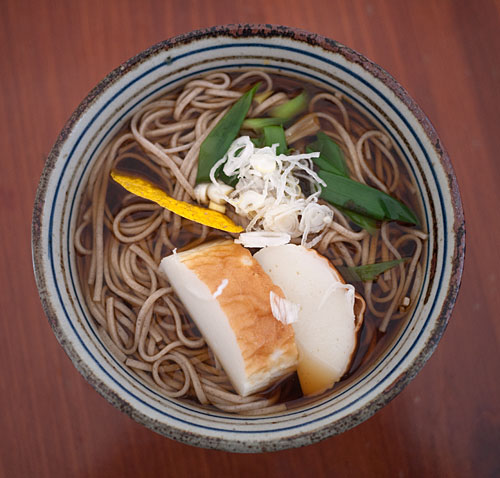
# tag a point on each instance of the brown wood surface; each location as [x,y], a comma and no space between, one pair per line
[445,423]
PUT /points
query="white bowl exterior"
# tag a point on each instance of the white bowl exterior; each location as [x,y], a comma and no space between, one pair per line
[99,122]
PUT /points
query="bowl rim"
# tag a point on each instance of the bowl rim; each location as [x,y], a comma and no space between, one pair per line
[442,316]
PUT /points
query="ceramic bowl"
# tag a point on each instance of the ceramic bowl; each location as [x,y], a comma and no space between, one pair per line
[161,68]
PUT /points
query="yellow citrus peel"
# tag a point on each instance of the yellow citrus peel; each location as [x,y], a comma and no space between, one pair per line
[145,189]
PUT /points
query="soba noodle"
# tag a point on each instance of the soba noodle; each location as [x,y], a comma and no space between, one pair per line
[121,238]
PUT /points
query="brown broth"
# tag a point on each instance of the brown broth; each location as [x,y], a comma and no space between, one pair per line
[372,343]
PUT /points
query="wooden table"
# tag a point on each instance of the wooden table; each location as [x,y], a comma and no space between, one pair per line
[445,423]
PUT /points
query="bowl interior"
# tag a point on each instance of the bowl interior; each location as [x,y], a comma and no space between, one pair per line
[104,112]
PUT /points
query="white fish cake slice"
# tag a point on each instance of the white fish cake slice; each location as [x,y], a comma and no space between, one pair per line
[330,313]
[227,294]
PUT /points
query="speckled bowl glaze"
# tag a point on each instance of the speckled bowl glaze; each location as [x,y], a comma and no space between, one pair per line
[165,66]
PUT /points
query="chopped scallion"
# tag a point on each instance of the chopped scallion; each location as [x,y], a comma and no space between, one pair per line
[330,153]
[290,108]
[275,135]
[220,138]
[367,272]
[363,199]
[260,123]
[364,222]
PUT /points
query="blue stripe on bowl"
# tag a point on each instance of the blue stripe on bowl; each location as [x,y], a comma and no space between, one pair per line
[133,377]
[99,112]
[164,86]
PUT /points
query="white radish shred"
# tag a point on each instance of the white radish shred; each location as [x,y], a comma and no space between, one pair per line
[285,311]
[268,191]
[221,287]
[350,291]
[315,217]
[238,155]
[259,239]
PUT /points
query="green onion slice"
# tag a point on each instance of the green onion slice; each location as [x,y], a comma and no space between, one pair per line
[275,135]
[260,123]
[290,108]
[331,156]
[364,222]
[220,138]
[367,272]
[363,199]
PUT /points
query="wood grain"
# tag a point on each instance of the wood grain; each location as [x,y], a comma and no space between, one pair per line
[445,423]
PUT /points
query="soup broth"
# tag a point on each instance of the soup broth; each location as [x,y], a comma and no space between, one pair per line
[121,238]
